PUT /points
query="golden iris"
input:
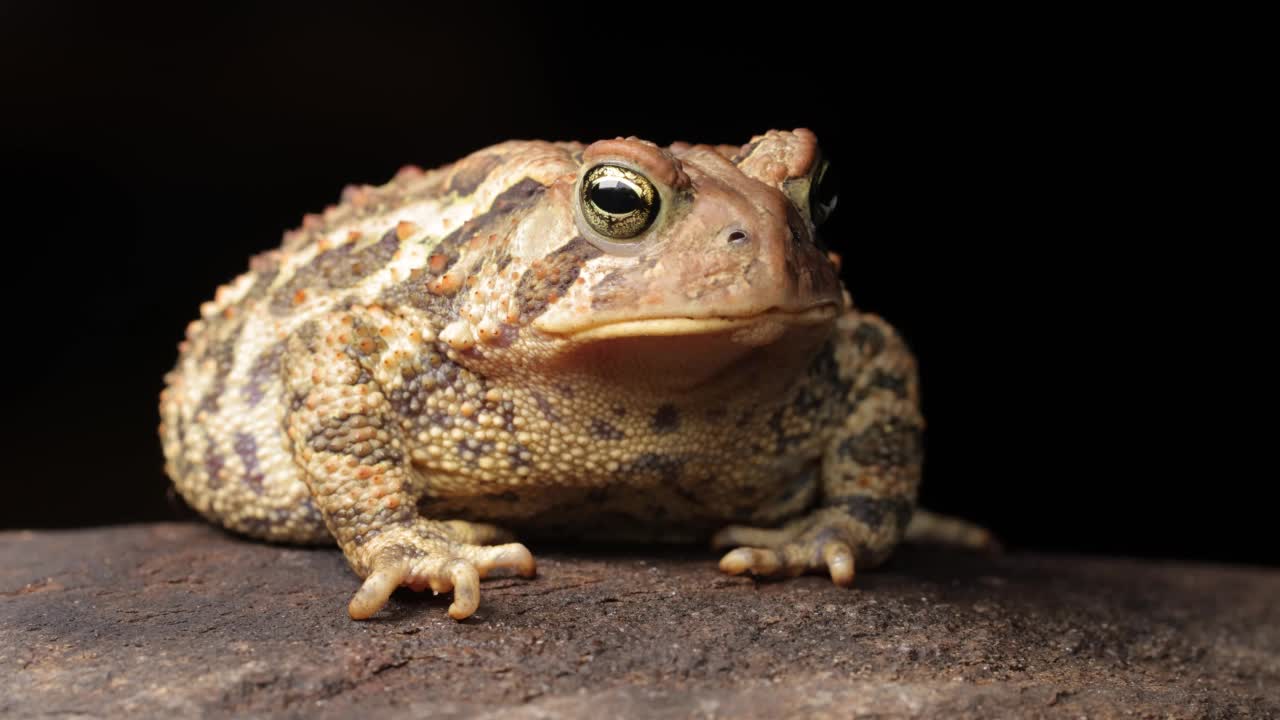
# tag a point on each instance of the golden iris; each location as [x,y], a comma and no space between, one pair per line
[618,202]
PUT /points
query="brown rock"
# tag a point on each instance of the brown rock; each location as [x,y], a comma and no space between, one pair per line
[181,620]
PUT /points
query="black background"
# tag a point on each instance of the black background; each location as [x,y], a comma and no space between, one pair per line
[1010,201]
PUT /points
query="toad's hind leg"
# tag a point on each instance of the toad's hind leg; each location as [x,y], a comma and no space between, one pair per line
[352,447]
[870,468]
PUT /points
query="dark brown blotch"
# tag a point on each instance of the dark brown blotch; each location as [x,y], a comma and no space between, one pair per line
[604,430]
[246,448]
[666,419]
[221,350]
[669,469]
[809,398]
[479,448]
[548,411]
[547,281]
[470,173]
[873,511]
[891,443]
[869,339]
[621,286]
[414,292]
[825,372]
[885,380]
[745,151]
[339,267]
[409,399]
[264,371]
[213,464]
[334,433]
[802,481]
[519,455]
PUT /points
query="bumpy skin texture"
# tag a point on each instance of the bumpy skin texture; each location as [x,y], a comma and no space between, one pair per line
[459,347]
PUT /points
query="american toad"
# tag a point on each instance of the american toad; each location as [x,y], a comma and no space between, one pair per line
[611,340]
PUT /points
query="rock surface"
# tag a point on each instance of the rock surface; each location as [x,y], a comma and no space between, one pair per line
[183,620]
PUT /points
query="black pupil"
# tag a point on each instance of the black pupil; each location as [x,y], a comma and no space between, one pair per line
[615,196]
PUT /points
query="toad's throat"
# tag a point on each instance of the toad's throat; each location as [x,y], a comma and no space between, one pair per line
[751,330]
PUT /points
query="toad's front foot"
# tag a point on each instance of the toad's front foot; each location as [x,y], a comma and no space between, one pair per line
[421,556]
[827,541]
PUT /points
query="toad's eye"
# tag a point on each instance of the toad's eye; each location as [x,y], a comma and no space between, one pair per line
[823,194]
[618,202]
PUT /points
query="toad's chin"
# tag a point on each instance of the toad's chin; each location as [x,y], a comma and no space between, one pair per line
[714,354]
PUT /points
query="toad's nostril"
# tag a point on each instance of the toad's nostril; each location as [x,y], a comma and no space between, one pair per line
[737,236]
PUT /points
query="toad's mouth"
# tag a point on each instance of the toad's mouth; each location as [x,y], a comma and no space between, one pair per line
[713,356]
[754,329]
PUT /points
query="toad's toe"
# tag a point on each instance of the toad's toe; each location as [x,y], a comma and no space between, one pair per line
[443,566]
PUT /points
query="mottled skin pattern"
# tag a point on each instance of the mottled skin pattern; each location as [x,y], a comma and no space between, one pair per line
[458,348]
